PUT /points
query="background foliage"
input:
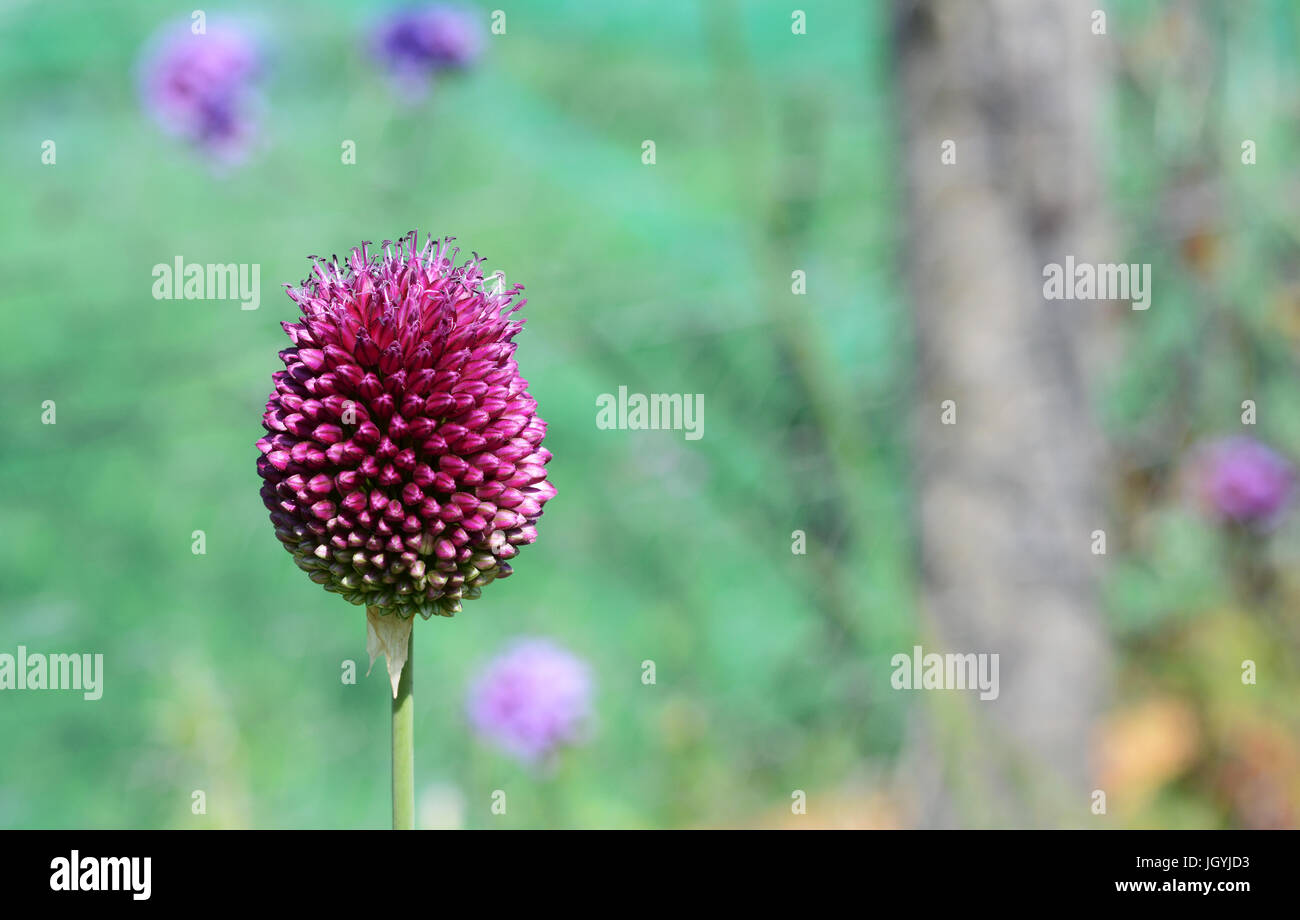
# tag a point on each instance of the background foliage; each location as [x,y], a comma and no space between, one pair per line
[774,152]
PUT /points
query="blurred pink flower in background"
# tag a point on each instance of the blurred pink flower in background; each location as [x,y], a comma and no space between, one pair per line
[416,44]
[532,700]
[203,87]
[1242,481]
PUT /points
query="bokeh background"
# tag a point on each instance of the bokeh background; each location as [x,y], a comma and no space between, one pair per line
[775,152]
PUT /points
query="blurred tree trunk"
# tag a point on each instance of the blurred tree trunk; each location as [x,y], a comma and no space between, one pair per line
[1009,495]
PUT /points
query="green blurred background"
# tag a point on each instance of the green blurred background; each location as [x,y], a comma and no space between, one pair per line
[774,153]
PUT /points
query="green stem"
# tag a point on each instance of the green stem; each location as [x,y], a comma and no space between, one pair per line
[404,750]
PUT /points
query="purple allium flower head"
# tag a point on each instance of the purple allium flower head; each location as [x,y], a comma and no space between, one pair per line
[201,87]
[416,43]
[403,463]
[532,699]
[1243,481]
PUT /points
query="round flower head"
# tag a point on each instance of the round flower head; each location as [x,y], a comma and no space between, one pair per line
[531,700]
[1243,481]
[416,43]
[403,463]
[201,87]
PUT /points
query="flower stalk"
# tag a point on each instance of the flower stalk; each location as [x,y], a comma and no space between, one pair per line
[404,752]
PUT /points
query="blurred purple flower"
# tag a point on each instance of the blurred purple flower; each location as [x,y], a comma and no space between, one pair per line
[418,42]
[202,87]
[1242,481]
[532,699]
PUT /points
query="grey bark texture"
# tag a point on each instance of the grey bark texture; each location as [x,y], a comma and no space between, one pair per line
[1010,495]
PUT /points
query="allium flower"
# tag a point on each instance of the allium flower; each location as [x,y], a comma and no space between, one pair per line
[403,466]
[1242,481]
[532,699]
[203,87]
[417,43]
